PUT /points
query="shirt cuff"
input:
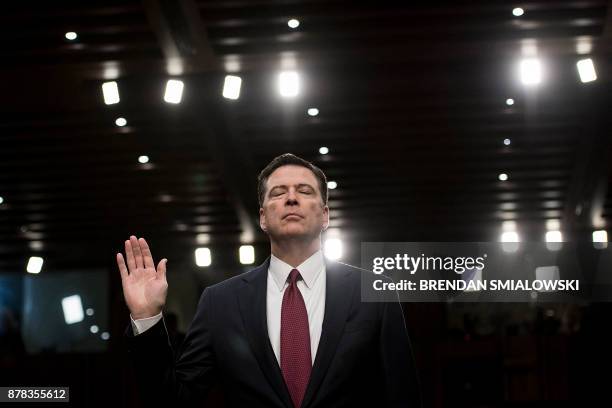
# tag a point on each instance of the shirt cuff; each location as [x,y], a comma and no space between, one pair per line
[139,326]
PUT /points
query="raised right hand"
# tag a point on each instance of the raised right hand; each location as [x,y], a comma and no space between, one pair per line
[144,288]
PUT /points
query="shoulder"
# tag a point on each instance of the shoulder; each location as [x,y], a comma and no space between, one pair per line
[235,282]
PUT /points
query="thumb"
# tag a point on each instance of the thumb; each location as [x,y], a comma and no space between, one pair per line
[161,268]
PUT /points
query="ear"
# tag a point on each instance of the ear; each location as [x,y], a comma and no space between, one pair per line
[262,220]
[325,218]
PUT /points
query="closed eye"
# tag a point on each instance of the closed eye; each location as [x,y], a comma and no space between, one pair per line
[305,189]
[277,191]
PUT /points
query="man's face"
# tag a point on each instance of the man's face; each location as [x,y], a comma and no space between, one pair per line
[293,207]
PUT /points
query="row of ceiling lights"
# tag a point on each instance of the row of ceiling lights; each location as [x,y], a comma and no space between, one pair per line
[553,236]
[289,83]
[288,87]
[332,248]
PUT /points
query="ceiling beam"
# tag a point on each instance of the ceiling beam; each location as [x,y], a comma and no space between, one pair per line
[185,45]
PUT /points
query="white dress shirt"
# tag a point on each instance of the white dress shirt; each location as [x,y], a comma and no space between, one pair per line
[311,286]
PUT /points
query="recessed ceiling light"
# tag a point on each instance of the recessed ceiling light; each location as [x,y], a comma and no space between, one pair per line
[110,91]
[586,70]
[174,91]
[203,256]
[531,71]
[554,236]
[333,248]
[72,306]
[600,236]
[246,254]
[35,264]
[231,87]
[510,236]
[289,83]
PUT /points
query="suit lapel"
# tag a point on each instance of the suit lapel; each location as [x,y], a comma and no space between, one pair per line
[338,295]
[252,300]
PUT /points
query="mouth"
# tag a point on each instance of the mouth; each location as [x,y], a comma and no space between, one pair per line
[292,216]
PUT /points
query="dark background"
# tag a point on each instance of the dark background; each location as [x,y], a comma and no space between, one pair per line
[412,107]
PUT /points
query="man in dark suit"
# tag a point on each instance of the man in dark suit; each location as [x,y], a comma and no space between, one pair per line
[292,332]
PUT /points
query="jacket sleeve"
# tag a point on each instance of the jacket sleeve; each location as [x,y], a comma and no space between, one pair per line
[399,370]
[186,380]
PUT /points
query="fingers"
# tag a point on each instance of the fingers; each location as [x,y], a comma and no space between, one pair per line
[122,269]
[146,253]
[131,262]
[139,257]
[136,251]
[161,269]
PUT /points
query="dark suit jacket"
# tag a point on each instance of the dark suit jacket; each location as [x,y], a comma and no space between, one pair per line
[364,357]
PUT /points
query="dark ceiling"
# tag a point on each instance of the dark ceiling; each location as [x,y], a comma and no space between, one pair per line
[412,102]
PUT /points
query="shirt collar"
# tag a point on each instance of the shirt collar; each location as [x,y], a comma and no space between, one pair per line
[310,269]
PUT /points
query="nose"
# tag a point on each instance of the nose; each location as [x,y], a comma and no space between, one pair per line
[291,197]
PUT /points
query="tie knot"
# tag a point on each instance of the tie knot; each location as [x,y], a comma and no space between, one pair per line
[294,276]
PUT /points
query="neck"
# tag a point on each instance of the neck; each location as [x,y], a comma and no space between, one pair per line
[294,252]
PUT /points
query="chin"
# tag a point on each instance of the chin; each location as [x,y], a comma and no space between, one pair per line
[292,233]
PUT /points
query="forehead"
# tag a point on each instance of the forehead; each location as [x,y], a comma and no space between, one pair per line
[291,175]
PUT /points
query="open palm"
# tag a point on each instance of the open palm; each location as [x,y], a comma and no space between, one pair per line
[144,287]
